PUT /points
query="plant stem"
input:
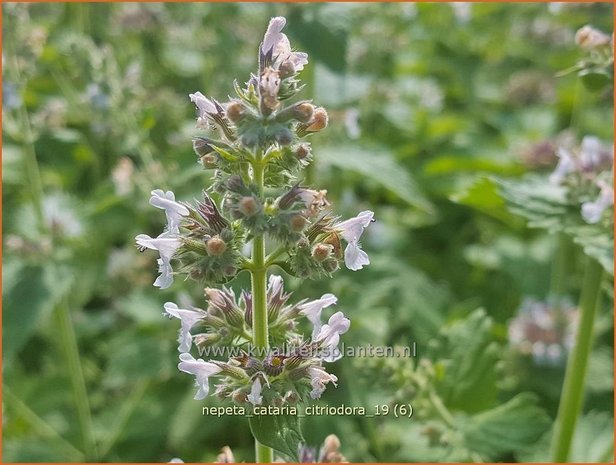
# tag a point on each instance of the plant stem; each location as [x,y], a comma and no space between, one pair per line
[560,269]
[573,386]
[69,341]
[263,453]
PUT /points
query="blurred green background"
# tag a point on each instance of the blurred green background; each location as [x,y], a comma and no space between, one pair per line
[424,101]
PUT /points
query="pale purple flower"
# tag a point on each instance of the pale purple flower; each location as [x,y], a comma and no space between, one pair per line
[278,43]
[594,154]
[255,397]
[201,370]
[173,210]
[275,285]
[312,310]
[206,107]
[593,211]
[318,380]
[273,34]
[188,319]
[329,336]
[566,165]
[351,230]
[167,245]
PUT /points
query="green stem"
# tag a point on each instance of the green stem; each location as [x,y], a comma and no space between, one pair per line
[560,268]
[573,386]
[263,453]
[71,349]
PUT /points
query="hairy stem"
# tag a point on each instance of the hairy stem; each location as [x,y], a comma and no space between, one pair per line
[263,453]
[573,386]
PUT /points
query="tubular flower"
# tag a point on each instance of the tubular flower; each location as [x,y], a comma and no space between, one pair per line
[167,245]
[188,318]
[351,230]
[201,370]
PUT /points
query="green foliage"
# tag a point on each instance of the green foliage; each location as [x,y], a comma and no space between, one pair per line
[546,206]
[280,432]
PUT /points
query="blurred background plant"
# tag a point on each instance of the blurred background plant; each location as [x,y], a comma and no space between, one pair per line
[449,137]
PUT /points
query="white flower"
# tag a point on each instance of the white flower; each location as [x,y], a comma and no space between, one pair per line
[173,210]
[275,285]
[188,318]
[277,42]
[354,257]
[566,165]
[167,245]
[312,310]
[255,397]
[318,379]
[592,211]
[202,371]
[594,154]
[274,34]
[176,460]
[329,336]
[205,106]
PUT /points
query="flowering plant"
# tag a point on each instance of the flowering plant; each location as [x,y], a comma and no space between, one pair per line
[255,145]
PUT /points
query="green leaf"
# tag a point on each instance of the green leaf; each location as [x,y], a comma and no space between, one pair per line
[31,292]
[512,426]
[280,432]
[483,195]
[546,206]
[593,442]
[468,356]
[379,165]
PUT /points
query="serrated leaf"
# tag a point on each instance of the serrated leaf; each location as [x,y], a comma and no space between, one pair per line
[280,432]
[379,165]
[512,426]
[546,206]
[468,356]
[483,195]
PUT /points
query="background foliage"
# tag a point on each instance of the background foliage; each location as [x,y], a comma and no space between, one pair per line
[428,103]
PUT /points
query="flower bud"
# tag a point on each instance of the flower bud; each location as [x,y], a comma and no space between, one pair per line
[235,111]
[298,223]
[202,146]
[209,161]
[195,245]
[321,252]
[303,151]
[229,271]
[319,120]
[248,206]
[234,183]
[331,265]
[287,69]
[232,370]
[196,274]
[206,339]
[303,111]
[589,38]
[291,398]
[239,397]
[284,136]
[216,246]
